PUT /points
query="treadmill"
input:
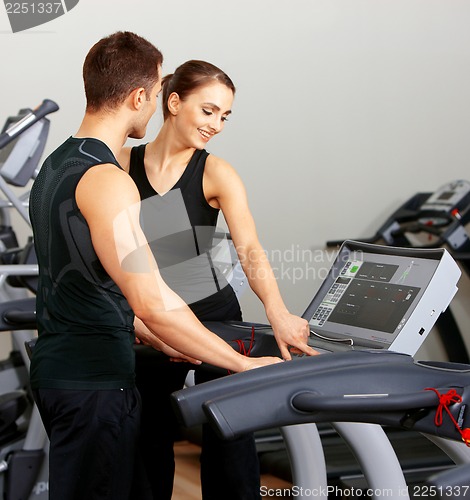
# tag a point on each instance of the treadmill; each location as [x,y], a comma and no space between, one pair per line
[375,299]
[379,387]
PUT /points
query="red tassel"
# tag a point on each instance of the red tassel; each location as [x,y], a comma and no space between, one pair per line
[445,400]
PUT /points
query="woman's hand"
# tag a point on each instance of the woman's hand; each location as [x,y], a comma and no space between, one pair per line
[291,333]
[259,362]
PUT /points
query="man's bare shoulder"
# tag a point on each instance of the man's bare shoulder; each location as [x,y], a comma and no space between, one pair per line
[105,186]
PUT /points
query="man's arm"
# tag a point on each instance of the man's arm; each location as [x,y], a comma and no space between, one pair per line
[108,199]
[145,336]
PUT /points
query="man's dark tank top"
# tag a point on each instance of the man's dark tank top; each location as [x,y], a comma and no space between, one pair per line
[85,324]
[180,227]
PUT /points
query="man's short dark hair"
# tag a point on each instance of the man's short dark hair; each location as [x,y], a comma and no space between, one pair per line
[117,65]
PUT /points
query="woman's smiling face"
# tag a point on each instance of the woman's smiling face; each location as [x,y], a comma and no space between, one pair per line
[202,114]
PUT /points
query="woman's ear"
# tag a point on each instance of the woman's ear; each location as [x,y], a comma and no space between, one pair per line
[173,103]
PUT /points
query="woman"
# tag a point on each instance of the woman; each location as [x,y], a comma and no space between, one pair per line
[184,188]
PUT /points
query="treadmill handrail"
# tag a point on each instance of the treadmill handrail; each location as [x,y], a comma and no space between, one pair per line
[310,402]
[46,107]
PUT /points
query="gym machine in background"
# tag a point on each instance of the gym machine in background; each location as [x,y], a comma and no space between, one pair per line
[23,440]
[433,220]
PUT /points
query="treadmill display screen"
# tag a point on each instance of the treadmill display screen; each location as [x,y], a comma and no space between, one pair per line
[369,296]
[378,306]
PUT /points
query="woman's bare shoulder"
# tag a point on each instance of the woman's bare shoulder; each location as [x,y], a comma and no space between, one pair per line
[216,166]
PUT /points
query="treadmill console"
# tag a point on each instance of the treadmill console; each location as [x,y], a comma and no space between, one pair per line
[452,196]
[383,297]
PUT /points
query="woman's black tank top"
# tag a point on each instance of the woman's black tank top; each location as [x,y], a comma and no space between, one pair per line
[180,227]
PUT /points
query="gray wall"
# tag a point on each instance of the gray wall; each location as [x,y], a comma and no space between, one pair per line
[344,108]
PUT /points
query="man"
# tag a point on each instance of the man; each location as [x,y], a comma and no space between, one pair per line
[95,272]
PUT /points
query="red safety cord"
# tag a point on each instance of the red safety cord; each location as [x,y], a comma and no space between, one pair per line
[241,345]
[445,400]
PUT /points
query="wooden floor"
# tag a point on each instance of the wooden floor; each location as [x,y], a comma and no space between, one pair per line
[187,484]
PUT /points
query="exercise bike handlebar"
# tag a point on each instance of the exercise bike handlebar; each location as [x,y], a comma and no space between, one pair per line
[46,107]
